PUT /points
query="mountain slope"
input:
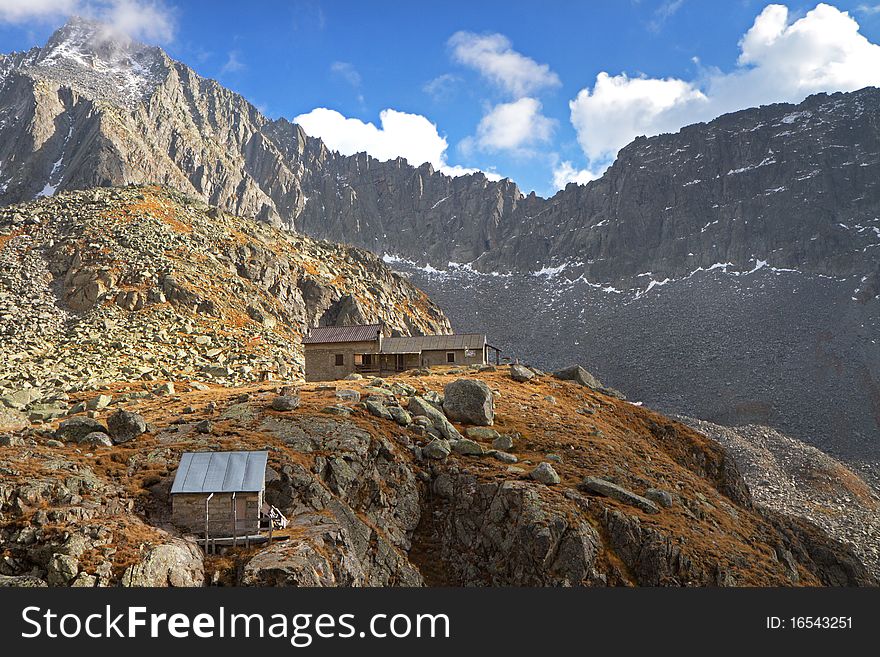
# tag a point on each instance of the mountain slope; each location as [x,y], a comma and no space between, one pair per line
[370,505]
[117,284]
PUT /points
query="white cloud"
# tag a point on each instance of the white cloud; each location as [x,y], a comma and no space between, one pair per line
[566,172]
[514,126]
[619,108]
[141,19]
[21,11]
[410,136]
[233,63]
[781,60]
[493,56]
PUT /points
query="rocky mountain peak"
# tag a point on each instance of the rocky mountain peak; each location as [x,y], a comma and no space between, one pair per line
[98,60]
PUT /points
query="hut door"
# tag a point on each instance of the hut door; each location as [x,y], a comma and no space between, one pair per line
[398,362]
[241,525]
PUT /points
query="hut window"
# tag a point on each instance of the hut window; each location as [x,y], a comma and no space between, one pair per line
[450,356]
[340,359]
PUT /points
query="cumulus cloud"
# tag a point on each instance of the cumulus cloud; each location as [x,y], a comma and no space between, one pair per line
[619,108]
[780,60]
[411,136]
[565,172]
[141,19]
[514,126]
[493,56]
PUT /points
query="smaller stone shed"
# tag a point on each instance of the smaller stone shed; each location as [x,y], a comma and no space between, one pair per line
[219,494]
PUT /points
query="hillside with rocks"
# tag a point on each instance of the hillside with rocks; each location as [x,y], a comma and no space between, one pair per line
[796,479]
[482,476]
[142,283]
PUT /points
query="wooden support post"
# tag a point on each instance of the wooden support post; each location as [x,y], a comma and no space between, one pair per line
[234,523]
[207,501]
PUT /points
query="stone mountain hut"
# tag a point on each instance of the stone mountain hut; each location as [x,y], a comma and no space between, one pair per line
[219,493]
[334,352]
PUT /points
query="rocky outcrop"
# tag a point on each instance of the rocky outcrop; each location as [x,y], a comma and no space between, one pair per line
[371,502]
[177,563]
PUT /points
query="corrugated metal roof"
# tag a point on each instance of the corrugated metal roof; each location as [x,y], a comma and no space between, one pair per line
[221,472]
[358,333]
[419,343]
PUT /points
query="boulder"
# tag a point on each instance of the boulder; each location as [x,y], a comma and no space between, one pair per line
[400,415]
[11,441]
[178,563]
[521,373]
[96,438]
[469,401]
[467,447]
[348,395]
[20,399]
[579,375]
[77,427]
[378,409]
[99,402]
[437,449]
[619,493]
[503,442]
[504,457]
[545,474]
[125,425]
[482,433]
[62,568]
[286,403]
[421,406]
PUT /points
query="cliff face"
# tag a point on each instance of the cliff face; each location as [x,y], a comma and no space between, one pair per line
[792,186]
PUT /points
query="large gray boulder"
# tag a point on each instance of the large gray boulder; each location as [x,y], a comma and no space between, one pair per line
[177,563]
[545,474]
[124,426]
[579,375]
[419,406]
[521,373]
[469,401]
[77,428]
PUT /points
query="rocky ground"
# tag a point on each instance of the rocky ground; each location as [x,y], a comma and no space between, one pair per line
[791,477]
[438,477]
[144,283]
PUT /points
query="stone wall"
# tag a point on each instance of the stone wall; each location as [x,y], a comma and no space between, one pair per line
[320,359]
[188,512]
[438,357]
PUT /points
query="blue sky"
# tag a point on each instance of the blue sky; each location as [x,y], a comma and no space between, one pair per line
[514,88]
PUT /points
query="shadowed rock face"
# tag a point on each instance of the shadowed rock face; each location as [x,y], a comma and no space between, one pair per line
[789,185]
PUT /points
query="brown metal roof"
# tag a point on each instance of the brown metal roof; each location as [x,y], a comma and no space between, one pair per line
[358,333]
[420,343]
